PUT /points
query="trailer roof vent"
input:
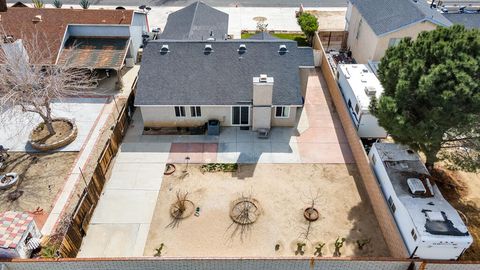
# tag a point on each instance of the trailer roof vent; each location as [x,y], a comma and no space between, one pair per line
[242,49]
[370,90]
[416,186]
[282,49]
[211,39]
[434,216]
[164,49]
[208,49]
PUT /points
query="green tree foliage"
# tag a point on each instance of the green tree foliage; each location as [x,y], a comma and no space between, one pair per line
[309,24]
[431,100]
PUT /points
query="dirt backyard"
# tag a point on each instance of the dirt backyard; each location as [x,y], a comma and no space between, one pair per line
[41,176]
[278,195]
[462,190]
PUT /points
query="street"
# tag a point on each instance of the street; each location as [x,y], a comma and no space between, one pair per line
[214,3]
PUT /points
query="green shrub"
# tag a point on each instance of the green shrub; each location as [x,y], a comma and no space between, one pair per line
[85,4]
[57,3]
[308,23]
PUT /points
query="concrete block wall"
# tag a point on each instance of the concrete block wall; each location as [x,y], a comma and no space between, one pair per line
[386,221]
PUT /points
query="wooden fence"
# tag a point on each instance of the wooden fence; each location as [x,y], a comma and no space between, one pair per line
[385,219]
[88,200]
[336,40]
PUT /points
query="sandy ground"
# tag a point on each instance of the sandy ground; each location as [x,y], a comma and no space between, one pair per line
[462,190]
[41,178]
[330,20]
[283,192]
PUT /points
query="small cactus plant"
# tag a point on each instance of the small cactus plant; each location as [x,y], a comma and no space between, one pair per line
[57,3]
[362,243]
[338,245]
[300,248]
[158,251]
[38,4]
[85,4]
[318,249]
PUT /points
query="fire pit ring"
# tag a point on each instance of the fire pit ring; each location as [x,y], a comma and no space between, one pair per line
[311,214]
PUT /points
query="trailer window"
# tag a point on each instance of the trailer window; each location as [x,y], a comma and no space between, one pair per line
[414,235]
[357,109]
[374,159]
[391,204]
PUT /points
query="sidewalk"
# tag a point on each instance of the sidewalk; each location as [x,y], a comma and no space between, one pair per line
[88,147]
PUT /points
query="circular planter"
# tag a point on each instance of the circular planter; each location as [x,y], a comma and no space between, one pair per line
[66,140]
[8,180]
[245,211]
[311,214]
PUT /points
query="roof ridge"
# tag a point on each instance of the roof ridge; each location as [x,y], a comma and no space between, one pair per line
[193,19]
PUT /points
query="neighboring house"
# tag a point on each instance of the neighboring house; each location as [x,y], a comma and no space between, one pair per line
[95,38]
[431,228]
[469,20]
[375,25]
[359,85]
[197,21]
[251,83]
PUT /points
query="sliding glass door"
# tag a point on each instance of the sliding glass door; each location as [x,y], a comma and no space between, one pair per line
[240,115]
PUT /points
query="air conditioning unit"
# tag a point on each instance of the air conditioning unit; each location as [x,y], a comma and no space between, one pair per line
[370,90]
[416,186]
[129,62]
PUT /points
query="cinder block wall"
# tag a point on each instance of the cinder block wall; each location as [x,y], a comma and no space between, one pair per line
[385,219]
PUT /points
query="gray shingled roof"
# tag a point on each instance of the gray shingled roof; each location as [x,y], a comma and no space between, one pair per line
[196,22]
[385,16]
[470,21]
[263,36]
[187,76]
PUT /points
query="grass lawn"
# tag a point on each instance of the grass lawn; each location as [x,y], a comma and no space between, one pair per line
[299,38]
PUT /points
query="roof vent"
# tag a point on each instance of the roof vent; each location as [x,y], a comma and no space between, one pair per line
[210,39]
[435,216]
[263,78]
[37,18]
[242,48]
[208,48]
[370,90]
[282,49]
[416,186]
[164,49]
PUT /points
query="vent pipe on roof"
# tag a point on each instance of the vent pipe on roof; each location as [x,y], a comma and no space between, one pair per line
[37,19]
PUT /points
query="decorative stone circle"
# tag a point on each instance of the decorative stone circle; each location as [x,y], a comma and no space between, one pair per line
[60,143]
[245,211]
[175,208]
[311,214]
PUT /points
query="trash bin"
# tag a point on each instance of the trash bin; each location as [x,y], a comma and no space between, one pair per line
[213,127]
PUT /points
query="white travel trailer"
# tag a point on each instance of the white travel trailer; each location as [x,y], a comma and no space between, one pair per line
[431,228]
[358,85]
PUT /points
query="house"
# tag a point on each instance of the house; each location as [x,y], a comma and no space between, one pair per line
[253,83]
[431,228]
[96,39]
[197,21]
[375,25]
[19,235]
[469,20]
[358,85]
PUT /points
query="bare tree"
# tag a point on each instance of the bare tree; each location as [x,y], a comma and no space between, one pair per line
[30,80]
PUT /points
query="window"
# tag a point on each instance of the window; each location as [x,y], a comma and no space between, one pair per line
[349,103]
[374,159]
[358,28]
[357,109]
[195,111]
[282,112]
[391,204]
[394,42]
[179,111]
[414,235]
